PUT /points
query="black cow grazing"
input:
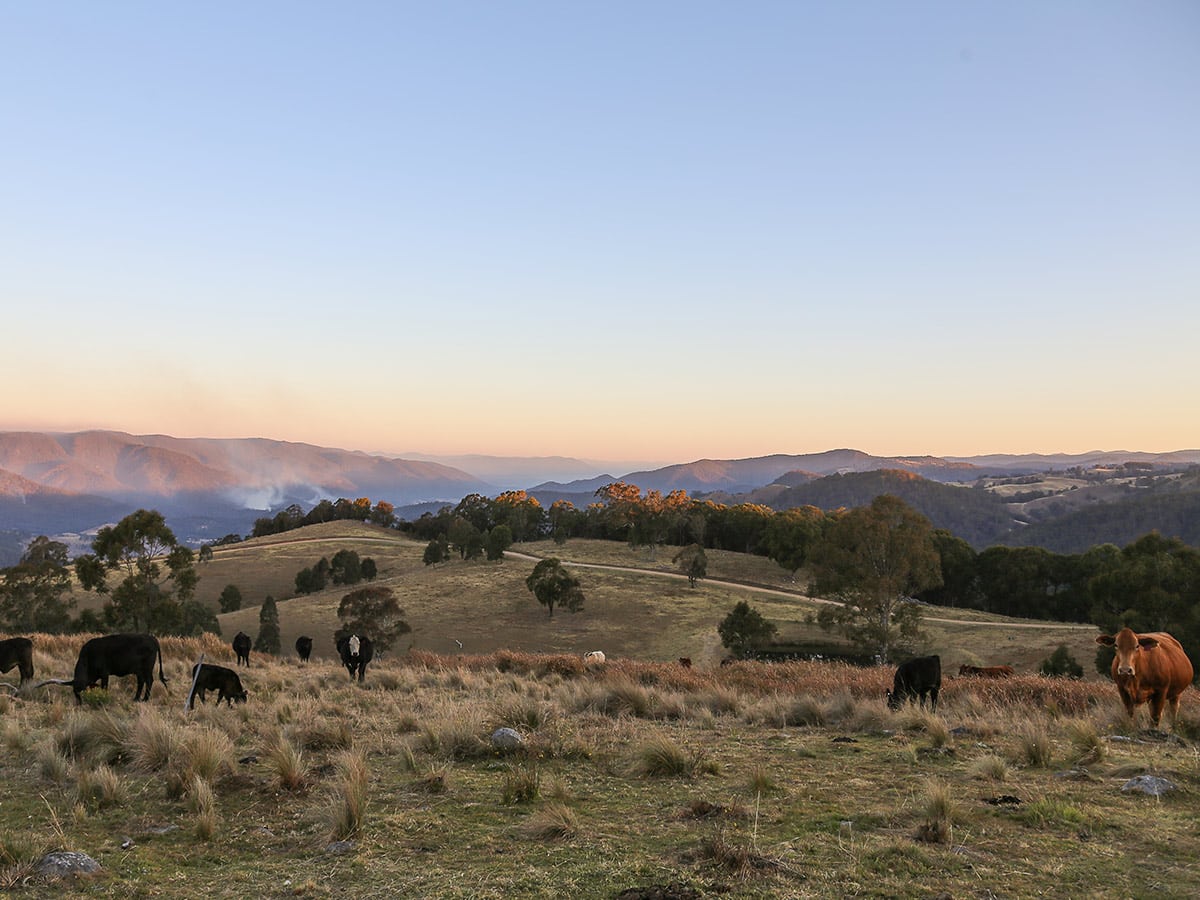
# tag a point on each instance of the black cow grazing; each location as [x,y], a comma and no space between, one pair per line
[303,648]
[356,651]
[17,652]
[120,655]
[241,646]
[220,679]
[915,679]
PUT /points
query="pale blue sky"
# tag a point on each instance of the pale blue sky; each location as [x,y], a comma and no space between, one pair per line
[608,230]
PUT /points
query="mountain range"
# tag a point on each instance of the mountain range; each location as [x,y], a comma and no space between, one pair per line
[73,483]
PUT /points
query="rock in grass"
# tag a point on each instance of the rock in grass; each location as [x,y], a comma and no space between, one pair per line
[507,739]
[1148,784]
[67,864]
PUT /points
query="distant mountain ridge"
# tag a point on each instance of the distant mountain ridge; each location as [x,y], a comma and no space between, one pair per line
[70,483]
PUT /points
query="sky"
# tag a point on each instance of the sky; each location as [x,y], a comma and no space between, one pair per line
[640,230]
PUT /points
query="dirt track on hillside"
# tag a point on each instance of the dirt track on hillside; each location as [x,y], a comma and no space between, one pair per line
[796,594]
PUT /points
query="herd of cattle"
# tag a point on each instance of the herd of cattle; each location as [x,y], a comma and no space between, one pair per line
[119,655]
[1147,668]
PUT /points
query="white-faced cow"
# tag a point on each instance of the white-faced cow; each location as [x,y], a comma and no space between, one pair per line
[1151,668]
[224,681]
[914,680]
[304,647]
[241,646]
[17,652]
[356,651]
[120,655]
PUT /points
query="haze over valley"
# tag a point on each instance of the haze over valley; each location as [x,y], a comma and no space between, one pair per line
[72,483]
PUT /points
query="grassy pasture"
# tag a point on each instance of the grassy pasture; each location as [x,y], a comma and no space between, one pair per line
[752,780]
[637,605]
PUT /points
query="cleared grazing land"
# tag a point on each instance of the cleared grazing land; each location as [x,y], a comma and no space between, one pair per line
[750,780]
[637,605]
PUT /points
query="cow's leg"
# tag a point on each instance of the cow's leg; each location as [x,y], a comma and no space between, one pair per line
[1157,700]
[933,695]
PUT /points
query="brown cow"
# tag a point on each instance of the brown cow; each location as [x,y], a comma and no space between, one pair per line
[1149,667]
[986,671]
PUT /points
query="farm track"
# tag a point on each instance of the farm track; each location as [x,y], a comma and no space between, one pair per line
[796,594]
[740,585]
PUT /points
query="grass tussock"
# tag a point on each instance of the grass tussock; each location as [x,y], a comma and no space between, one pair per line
[1034,748]
[553,822]
[1087,746]
[287,762]
[738,856]
[202,804]
[208,753]
[937,810]
[346,811]
[660,756]
[989,768]
[521,784]
[153,741]
[100,788]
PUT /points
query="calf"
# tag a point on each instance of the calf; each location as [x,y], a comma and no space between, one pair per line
[17,652]
[304,648]
[914,679]
[594,658]
[216,678]
[120,655]
[685,661]
[241,646]
[356,651]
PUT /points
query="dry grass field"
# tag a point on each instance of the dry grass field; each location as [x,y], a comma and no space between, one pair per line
[753,780]
[637,605]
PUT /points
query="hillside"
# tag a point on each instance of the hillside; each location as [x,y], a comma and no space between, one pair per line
[636,607]
[979,517]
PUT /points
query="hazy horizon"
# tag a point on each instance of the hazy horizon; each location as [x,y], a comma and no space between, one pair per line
[666,232]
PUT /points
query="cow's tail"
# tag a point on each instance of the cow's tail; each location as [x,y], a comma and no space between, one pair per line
[161,677]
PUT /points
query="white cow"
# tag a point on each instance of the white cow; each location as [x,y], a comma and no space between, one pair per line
[593,658]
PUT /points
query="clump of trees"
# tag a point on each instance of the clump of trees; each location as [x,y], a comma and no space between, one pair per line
[346,568]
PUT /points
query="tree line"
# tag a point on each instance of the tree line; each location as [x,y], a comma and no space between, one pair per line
[1152,584]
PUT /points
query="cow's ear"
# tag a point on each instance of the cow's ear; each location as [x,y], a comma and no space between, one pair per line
[1106,639]
[1148,643]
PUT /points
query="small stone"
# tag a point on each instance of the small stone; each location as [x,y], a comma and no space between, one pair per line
[339,847]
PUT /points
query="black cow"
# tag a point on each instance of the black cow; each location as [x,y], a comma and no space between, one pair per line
[17,652]
[241,646]
[356,651]
[220,679]
[120,655]
[304,648]
[914,679]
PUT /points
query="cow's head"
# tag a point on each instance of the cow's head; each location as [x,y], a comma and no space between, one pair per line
[1128,645]
[894,700]
[354,644]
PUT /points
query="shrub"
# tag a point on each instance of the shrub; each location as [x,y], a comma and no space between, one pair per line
[1061,664]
